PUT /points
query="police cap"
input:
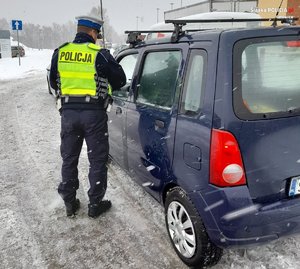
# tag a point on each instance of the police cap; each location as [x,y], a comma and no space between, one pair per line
[90,22]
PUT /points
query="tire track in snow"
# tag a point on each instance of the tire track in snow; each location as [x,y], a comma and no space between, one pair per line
[19,249]
[125,237]
[32,219]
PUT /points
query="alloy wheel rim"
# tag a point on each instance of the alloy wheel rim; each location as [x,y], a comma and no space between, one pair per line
[181,229]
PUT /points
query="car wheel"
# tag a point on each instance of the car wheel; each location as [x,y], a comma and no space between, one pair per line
[187,232]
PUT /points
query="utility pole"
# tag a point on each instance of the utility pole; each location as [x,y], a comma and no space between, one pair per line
[38,39]
[171,5]
[157,14]
[137,22]
[17,24]
[181,3]
[102,28]
[210,5]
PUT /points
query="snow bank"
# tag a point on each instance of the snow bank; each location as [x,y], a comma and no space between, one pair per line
[34,61]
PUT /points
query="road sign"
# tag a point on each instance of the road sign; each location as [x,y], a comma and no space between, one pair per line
[16,25]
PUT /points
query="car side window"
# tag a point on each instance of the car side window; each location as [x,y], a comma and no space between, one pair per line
[158,80]
[128,64]
[191,102]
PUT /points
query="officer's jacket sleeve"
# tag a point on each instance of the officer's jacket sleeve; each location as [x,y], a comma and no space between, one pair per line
[53,70]
[108,67]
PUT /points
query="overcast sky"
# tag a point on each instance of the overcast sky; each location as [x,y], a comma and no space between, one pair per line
[122,13]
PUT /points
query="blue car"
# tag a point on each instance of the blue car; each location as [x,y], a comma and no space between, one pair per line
[209,125]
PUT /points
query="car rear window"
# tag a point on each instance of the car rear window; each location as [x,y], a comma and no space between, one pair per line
[266,77]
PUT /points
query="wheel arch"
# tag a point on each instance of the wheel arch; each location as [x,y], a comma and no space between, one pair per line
[209,254]
[169,186]
[199,203]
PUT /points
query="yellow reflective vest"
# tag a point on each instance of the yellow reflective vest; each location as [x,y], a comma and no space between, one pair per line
[76,67]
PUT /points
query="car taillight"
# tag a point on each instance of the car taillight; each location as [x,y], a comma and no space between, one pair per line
[293,43]
[226,165]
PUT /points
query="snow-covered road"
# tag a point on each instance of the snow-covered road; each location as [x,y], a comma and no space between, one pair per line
[34,232]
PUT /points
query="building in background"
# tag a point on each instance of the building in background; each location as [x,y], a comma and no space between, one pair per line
[211,5]
[268,9]
[265,8]
[5,46]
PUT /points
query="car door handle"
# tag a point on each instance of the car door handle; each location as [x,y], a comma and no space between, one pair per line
[118,110]
[159,124]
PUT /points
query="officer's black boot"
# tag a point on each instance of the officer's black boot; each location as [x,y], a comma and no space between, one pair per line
[95,210]
[72,207]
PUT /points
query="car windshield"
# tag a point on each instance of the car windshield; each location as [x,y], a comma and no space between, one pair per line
[267,78]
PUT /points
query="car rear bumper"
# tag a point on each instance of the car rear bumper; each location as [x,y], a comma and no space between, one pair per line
[235,221]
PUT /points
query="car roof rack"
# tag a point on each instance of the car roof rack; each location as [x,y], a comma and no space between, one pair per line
[134,37]
[178,24]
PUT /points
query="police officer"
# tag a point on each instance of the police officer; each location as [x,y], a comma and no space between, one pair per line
[83,73]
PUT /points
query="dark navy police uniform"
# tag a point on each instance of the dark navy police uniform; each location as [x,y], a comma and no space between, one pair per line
[85,118]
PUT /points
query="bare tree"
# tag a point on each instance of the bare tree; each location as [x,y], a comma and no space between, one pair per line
[110,34]
[50,37]
[4,24]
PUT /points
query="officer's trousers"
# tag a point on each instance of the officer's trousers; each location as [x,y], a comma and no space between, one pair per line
[91,126]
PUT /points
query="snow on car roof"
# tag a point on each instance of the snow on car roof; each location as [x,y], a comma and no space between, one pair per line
[212,16]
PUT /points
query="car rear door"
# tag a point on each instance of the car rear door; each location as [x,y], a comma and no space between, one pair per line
[193,131]
[117,115]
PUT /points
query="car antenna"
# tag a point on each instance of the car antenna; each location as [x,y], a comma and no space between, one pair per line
[274,24]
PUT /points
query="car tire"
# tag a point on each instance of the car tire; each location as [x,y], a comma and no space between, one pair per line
[190,241]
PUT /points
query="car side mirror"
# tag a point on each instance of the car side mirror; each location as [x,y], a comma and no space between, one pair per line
[126,87]
[122,92]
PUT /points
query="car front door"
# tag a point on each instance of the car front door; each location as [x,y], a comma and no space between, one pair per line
[117,115]
[151,116]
